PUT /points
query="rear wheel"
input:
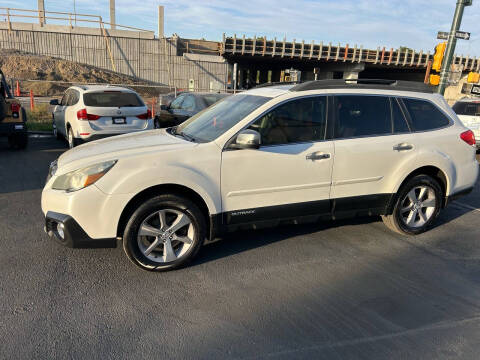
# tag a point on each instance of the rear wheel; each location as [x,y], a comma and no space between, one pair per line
[71,139]
[55,131]
[164,233]
[416,207]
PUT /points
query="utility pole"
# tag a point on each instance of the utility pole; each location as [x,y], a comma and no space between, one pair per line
[452,42]
[112,14]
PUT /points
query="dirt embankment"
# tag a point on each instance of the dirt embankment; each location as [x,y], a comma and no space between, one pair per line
[57,74]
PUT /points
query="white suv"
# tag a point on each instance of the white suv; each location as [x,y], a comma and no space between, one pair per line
[468,111]
[92,112]
[264,157]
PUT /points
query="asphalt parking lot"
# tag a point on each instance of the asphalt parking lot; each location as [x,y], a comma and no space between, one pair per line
[337,290]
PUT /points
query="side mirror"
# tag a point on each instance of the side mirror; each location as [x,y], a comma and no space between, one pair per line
[54,102]
[247,139]
[164,107]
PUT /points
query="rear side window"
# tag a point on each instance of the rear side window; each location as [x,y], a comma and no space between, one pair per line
[425,115]
[112,99]
[357,116]
[399,123]
[467,108]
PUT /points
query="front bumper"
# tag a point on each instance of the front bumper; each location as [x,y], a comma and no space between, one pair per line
[72,235]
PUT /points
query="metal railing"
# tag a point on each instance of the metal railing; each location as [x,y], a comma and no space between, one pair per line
[71,18]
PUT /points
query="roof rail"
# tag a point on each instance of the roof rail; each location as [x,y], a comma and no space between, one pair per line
[364,84]
[277,83]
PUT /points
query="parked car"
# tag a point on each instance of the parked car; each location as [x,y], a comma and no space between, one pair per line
[13,117]
[268,156]
[468,110]
[93,112]
[184,106]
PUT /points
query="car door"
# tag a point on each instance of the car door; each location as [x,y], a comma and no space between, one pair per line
[289,176]
[70,112]
[59,113]
[373,143]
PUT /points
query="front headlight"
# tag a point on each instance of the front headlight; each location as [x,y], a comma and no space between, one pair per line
[82,178]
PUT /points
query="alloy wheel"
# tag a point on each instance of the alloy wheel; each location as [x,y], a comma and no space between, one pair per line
[418,206]
[166,235]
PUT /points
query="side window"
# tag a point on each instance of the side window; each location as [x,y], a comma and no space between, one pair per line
[64,101]
[466,108]
[175,104]
[301,120]
[362,116]
[425,115]
[73,98]
[189,103]
[399,123]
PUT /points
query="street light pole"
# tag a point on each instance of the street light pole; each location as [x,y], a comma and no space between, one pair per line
[452,42]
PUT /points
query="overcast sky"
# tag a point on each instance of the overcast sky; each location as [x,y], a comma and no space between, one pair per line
[390,23]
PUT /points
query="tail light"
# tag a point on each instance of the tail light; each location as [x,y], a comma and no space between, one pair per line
[83,115]
[468,137]
[145,116]
[15,108]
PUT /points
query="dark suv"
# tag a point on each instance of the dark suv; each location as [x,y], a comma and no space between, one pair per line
[12,117]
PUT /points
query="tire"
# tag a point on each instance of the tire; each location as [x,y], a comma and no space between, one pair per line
[417,205]
[150,252]
[72,142]
[156,123]
[18,141]
[56,134]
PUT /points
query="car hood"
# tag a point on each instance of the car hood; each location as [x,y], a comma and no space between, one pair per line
[116,147]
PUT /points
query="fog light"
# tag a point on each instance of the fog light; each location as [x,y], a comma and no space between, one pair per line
[60,231]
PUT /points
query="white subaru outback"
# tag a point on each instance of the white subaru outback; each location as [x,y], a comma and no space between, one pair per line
[269,156]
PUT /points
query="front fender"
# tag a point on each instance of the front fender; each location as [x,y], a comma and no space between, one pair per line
[201,176]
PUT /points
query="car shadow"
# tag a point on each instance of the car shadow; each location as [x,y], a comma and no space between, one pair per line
[246,240]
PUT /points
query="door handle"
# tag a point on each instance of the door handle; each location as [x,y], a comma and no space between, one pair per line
[403,147]
[317,156]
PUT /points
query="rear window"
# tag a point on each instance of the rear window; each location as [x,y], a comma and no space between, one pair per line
[467,108]
[425,115]
[112,99]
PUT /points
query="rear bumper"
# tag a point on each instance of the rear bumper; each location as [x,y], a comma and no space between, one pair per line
[10,128]
[73,235]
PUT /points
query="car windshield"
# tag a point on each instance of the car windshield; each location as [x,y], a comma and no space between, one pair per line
[112,99]
[212,122]
[467,108]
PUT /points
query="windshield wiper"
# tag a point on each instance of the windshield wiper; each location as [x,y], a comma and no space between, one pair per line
[187,137]
[182,134]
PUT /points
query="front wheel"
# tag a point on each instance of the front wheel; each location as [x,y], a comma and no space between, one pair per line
[164,233]
[416,207]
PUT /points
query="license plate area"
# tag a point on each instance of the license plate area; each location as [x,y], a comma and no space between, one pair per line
[119,120]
